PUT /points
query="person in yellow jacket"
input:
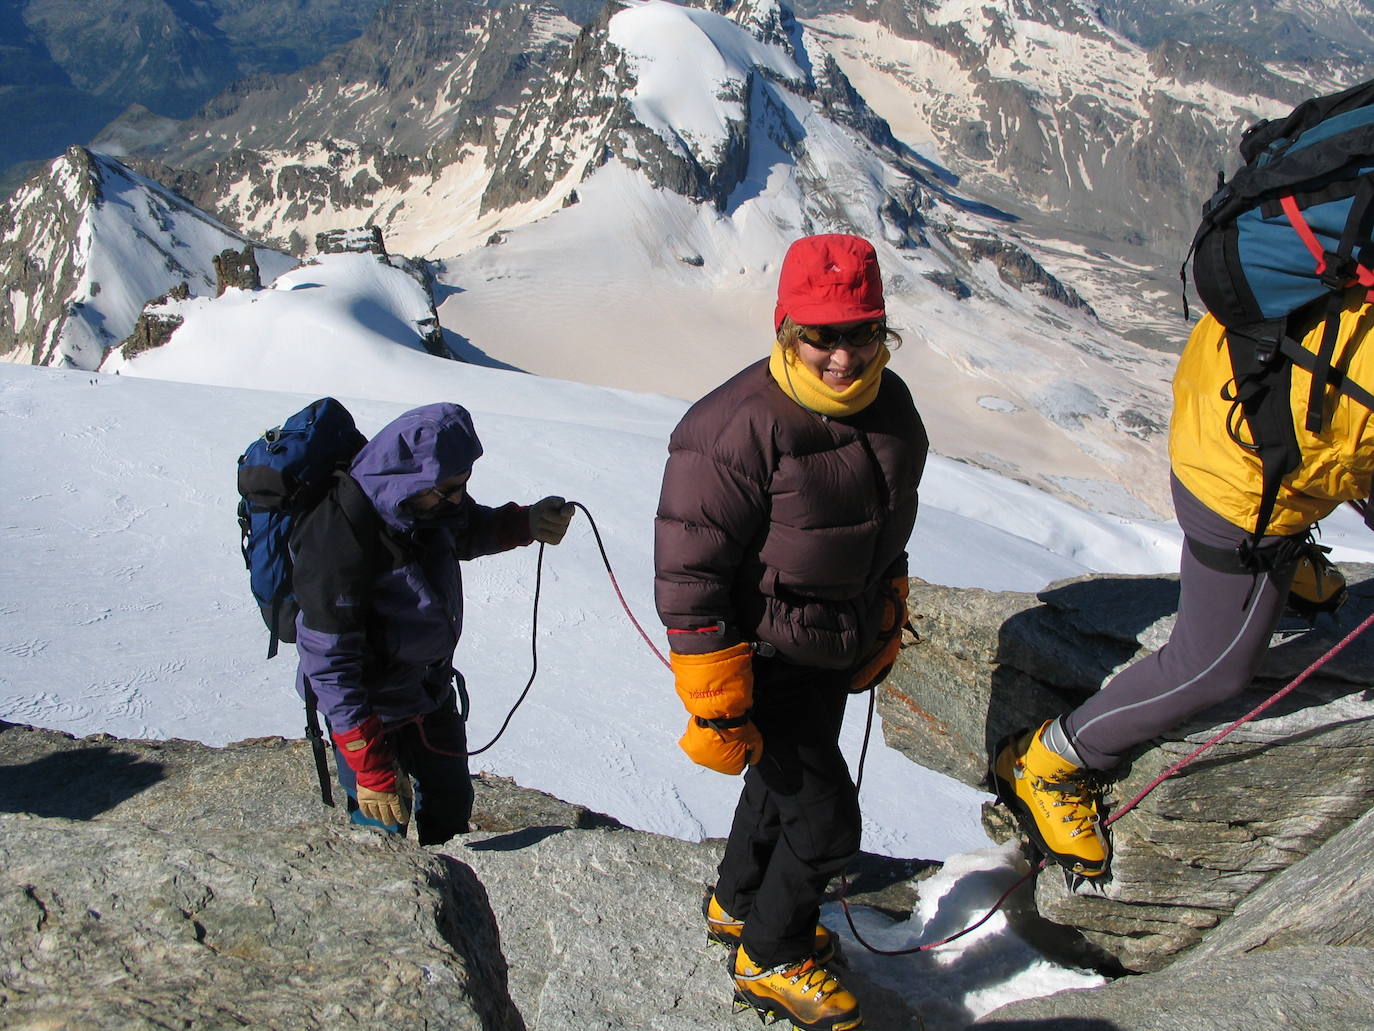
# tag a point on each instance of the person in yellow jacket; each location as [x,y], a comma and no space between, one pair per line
[1228,605]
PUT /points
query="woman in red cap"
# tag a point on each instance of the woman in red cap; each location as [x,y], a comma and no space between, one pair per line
[780,553]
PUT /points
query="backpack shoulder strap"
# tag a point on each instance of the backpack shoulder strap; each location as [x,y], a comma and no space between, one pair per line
[1261,396]
[385,545]
[1305,359]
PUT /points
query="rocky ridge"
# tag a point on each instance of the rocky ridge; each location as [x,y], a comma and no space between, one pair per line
[1102,147]
[59,307]
[173,878]
[510,102]
[430,85]
[986,664]
[70,68]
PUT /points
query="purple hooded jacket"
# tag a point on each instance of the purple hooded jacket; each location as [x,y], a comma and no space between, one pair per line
[381,592]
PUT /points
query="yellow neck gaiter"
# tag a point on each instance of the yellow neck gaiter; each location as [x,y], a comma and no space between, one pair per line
[808,390]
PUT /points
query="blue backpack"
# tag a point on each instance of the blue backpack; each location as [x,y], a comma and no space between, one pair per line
[282,476]
[1277,249]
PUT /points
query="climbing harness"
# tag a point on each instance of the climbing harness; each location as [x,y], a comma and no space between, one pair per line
[1122,811]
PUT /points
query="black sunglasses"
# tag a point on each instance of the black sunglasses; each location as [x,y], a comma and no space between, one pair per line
[827,338]
[444,494]
[444,497]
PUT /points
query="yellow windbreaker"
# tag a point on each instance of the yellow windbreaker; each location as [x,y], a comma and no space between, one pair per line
[1338,463]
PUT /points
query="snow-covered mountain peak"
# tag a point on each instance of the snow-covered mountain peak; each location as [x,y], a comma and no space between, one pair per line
[85,245]
[691,69]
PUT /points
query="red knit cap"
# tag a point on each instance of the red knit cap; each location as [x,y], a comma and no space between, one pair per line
[828,279]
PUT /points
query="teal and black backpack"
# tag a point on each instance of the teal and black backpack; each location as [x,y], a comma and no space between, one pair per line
[1278,247]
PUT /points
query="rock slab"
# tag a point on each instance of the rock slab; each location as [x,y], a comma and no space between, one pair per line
[120,925]
[985,664]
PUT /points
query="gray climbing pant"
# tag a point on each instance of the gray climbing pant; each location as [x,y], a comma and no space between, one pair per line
[1223,628]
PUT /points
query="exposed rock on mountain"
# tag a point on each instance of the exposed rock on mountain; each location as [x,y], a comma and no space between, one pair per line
[351,241]
[84,245]
[1326,36]
[1298,950]
[1103,146]
[427,88]
[1307,988]
[780,99]
[117,924]
[153,328]
[1042,109]
[68,68]
[987,664]
[237,269]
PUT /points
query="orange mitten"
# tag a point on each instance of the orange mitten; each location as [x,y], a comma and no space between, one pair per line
[726,750]
[879,662]
[716,685]
[718,689]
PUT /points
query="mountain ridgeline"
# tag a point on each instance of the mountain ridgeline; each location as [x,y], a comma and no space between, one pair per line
[1030,173]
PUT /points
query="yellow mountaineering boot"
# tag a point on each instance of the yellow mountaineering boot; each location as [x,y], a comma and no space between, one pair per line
[804,992]
[1047,794]
[724,929]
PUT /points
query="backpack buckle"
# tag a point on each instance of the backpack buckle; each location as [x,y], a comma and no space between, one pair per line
[1336,270]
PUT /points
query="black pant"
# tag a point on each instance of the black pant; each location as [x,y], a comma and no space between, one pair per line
[797,822]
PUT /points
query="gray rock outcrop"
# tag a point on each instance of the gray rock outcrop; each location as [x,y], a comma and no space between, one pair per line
[154,328]
[1305,989]
[1296,953]
[108,924]
[238,269]
[365,240]
[986,664]
[598,925]
[1326,899]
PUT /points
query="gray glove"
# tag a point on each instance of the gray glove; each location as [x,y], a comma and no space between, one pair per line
[549,519]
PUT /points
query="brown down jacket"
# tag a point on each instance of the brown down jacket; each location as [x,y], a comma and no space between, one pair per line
[784,525]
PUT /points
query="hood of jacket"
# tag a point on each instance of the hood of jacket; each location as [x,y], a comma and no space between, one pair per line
[412,453]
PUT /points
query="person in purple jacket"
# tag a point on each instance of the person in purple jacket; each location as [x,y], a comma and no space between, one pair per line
[379,583]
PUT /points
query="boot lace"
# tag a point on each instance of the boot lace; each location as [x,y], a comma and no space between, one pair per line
[1079,796]
[813,978]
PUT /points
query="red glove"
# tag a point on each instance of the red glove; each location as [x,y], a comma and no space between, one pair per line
[875,667]
[370,757]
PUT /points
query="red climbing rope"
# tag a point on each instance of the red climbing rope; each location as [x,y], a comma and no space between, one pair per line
[1122,811]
